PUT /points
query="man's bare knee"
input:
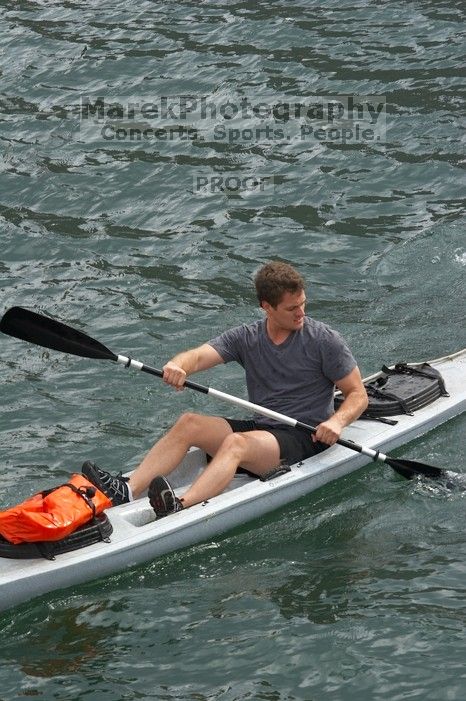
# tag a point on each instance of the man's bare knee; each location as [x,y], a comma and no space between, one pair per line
[235,444]
[256,451]
[187,424]
[186,419]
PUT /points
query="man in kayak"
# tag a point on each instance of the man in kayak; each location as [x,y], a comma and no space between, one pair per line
[292,365]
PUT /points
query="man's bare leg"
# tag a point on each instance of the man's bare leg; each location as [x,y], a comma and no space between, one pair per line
[205,432]
[257,451]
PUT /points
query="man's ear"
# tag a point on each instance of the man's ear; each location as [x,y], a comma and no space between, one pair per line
[265,306]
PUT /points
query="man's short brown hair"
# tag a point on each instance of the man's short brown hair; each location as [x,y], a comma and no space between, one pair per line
[274,279]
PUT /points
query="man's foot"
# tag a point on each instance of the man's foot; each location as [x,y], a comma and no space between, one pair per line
[113,486]
[162,498]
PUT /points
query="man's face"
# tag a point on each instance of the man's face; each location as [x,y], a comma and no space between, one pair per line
[288,315]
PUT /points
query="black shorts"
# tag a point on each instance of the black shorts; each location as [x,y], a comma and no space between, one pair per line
[295,443]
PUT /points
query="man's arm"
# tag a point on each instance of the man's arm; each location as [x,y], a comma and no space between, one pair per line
[351,408]
[183,364]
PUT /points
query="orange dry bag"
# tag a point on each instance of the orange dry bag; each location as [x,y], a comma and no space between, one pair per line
[53,514]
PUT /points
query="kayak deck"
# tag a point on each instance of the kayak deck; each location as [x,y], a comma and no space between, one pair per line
[137,537]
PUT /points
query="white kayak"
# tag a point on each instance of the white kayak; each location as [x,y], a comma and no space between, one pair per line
[137,537]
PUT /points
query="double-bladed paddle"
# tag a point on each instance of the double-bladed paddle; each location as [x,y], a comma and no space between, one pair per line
[44,331]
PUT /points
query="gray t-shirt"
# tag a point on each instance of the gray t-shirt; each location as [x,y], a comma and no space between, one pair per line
[297,377]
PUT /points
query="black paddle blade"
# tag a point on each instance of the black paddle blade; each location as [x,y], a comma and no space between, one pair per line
[413,468]
[43,331]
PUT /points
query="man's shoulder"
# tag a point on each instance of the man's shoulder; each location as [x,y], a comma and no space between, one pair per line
[249,328]
[322,334]
[241,332]
[317,328]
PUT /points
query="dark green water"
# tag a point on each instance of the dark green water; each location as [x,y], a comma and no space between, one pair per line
[357,591]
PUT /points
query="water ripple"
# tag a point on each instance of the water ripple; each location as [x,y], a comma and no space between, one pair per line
[346,593]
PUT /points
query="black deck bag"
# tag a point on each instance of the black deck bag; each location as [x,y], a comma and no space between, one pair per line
[401,390]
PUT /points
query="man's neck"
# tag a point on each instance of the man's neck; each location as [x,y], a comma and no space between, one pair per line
[276,333]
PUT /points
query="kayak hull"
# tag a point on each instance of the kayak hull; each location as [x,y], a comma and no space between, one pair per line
[137,537]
